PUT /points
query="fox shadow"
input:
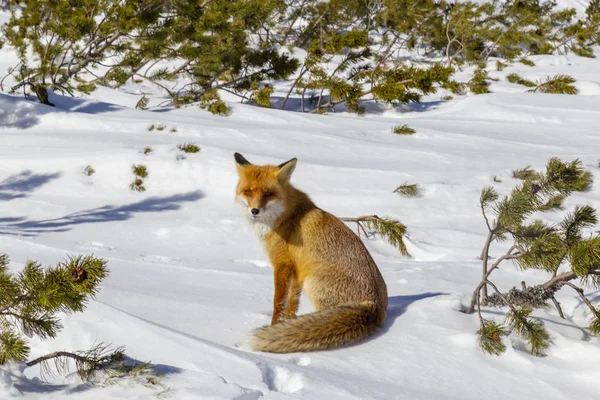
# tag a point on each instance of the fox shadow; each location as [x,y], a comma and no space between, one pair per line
[397,305]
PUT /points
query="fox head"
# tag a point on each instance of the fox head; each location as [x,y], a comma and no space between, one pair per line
[261,189]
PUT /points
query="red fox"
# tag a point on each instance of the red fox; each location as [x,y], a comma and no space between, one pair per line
[314,251]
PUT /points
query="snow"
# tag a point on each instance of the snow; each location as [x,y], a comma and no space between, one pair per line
[189,281]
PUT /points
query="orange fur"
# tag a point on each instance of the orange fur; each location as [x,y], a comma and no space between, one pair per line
[314,251]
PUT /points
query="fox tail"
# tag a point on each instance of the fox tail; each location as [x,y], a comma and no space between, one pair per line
[331,328]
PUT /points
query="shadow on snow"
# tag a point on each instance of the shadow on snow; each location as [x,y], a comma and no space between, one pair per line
[19,185]
[23,227]
[372,107]
[397,306]
[35,385]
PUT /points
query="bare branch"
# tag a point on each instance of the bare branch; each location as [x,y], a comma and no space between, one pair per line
[474,298]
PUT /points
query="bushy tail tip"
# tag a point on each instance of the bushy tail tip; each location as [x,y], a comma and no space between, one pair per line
[335,327]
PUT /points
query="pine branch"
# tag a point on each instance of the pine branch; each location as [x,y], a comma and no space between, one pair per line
[31,299]
[142,103]
[572,225]
[490,337]
[391,230]
[530,329]
[557,84]
[12,345]
[87,363]
[533,296]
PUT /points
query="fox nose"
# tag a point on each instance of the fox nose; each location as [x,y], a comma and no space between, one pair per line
[255,211]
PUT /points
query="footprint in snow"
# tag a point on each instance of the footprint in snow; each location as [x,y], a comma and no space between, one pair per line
[94,246]
[280,379]
[303,360]
[158,259]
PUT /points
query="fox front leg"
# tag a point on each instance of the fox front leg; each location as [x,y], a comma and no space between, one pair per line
[283,278]
[293,299]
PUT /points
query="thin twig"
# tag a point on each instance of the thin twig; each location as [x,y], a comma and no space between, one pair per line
[359,221]
[558,307]
[502,297]
[58,354]
[508,256]
[585,299]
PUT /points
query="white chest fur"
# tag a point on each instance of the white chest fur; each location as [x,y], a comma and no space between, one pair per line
[265,221]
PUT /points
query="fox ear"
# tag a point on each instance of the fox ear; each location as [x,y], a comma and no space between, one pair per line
[285,170]
[240,161]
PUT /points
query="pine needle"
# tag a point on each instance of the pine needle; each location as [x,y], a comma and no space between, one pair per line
[574,222]
[595,324]
[407,190]
[557,84]
[478,83]
[584,256]
[515,78]
[31,299]
[526,61]
[262,96]
[391,230]
[568,177]
[403,130]
[87,363]
[12,346]
[137,186]
[189,148]
[488,195]
[554,203]
[525,173]
[89,171]
[541,251]
[490,335]
[140,170]
[142,103]
[529,329]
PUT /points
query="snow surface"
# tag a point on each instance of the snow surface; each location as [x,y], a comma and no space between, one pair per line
[188,280]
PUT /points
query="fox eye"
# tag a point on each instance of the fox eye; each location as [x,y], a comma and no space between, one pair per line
[268,194]
[248,192]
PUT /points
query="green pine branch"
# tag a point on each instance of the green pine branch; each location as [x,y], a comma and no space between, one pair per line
[490,335]
[87,363]
[392,230]
[525,173]
[408,190]
[529,329]
[515,78]
[594,326]
[31,299]
[557,84]
[540,246]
